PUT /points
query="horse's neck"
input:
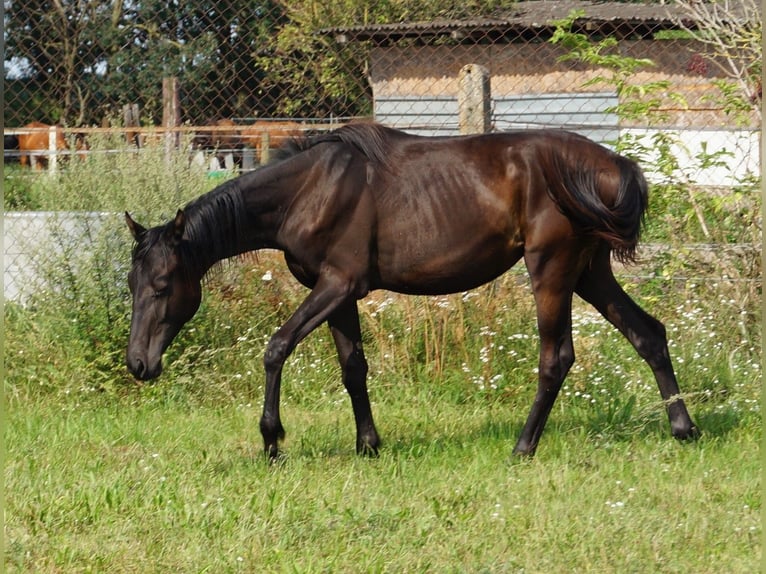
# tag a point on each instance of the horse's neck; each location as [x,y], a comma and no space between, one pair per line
[267,197]
[227,227]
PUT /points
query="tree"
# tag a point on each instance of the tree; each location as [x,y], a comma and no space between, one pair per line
[83,60]
[732,32]
[56,41]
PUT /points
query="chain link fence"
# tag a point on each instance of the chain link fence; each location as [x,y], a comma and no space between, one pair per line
[98,64]
[241,76]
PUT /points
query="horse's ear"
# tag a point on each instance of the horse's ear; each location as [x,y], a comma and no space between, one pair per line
[176,231]
[136,229]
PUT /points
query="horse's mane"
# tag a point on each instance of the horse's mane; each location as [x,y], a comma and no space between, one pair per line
[215,220]
[373,140]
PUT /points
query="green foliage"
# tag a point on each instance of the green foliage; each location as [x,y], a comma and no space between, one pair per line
[682,211]
[736,104]
[233,58]
[636,101]
[19,189]
[154,483]
[75,322]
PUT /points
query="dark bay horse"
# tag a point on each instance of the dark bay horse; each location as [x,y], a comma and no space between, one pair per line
[367,207]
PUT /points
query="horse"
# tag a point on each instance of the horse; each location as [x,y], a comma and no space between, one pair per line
[223,138]
[278,133]
[34,145]
[10,148]
[367,207]
[229,137]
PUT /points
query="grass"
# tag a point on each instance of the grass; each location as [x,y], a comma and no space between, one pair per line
[171,478]
[105,475]
[159,485]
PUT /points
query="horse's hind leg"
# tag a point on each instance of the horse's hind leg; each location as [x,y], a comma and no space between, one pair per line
[553,298]
[344,325]
[598,287]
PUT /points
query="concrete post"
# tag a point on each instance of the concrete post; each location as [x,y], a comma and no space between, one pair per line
[52,149]
[171,114]
[474,99]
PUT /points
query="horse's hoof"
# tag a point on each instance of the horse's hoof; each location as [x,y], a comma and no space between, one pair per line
[367,444]
[367,450]
[272,453]
[524,450]
[687,434]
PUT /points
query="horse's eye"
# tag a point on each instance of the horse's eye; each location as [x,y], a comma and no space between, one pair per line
[160,293]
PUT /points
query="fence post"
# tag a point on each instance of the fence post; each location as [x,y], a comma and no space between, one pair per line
[131,119]
[52,149]
[171,113]
[474,99]
[265,148]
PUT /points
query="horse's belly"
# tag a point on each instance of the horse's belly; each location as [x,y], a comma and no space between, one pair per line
[447,269]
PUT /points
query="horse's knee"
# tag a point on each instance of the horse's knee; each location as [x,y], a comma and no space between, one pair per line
[276,353]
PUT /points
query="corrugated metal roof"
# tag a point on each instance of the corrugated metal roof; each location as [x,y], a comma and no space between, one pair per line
[527,16]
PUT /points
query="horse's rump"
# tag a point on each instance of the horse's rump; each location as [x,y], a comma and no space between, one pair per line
[601,192]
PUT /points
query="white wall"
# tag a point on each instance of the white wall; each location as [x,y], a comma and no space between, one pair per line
[742,156]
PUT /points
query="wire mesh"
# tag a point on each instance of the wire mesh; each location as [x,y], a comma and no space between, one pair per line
[91,63]
[248,75]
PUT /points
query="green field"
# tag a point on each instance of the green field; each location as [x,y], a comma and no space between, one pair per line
[162,486]
[105,475]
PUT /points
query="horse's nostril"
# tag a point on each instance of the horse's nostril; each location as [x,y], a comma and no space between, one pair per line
[137,368]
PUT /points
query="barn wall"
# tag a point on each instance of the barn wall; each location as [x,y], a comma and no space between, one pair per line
[415,88]
[525,69]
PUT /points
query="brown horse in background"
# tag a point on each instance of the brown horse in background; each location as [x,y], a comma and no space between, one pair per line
[34,146]
[226,136]
[367,207]
[217,138]
[278,133]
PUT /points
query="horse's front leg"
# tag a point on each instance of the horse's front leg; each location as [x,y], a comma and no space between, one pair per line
[344,325]
[328,294]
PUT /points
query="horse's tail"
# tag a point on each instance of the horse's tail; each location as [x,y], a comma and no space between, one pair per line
[575,188]
[10,142]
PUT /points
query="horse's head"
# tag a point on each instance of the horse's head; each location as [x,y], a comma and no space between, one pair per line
[165,294]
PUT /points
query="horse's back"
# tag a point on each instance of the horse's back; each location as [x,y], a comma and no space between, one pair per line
[439,215]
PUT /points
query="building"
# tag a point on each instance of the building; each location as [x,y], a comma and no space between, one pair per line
[414,69]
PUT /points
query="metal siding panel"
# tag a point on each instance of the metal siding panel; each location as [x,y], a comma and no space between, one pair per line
[583,113]
[422,116]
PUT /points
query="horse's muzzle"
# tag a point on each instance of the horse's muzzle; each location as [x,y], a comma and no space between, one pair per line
[139,369]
